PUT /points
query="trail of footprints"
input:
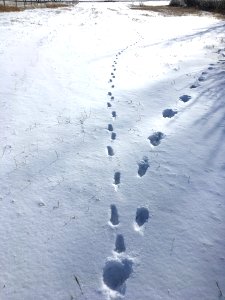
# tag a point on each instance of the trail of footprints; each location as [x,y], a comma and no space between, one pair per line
[110,127]
[119,268]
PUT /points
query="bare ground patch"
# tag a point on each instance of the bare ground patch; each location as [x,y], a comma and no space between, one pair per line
[172,11]
[22,6]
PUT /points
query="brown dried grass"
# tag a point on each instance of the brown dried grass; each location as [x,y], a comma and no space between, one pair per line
[172,11]
[13,8]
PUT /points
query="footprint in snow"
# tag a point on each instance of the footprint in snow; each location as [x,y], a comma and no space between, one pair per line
[109,94]
[120,244]
[185,98]
[143,166]
[113,136]
[210,68]
[110,127]
[155,138]
[115,273]
[142,216]
[114,114]
[109,104]
[201,78]
[110,151]
[194,86]
[112,98]
[169,113]
[112,86]
[114,220]
[117,178]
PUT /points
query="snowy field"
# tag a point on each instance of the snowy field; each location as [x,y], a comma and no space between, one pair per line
[112,155]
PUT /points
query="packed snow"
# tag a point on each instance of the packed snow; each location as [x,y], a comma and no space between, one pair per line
[112,155]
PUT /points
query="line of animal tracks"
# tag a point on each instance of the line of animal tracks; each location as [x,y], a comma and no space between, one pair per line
[118,268]
[112,160]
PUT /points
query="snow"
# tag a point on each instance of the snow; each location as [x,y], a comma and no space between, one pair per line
[111,187]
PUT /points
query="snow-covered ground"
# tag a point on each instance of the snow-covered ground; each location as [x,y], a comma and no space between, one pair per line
[112,155]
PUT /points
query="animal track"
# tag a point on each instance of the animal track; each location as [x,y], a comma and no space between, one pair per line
[114,215]
[120,244]
[185,98]
[169,113]
[109,104]
[142,216]
[113,135]
[117,178]
[143,166]
[110,151]
[201,78]
[109,94]
[114,114]
[112,98]
[116,272]
[155,138]
[110,127]
[194,86]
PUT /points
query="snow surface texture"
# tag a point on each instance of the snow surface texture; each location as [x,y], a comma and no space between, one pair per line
[112,155]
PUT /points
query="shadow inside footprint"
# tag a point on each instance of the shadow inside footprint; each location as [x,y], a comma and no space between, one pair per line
[120,245]
[155,138]
[114,114]
[114,215]
[201,78]
[169,113]
[143,166]
[115,273]
[194,86]
[109,104]
[110,127]
[185,98]
[117,178]
[113,136]
[110,151]
[142,216]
